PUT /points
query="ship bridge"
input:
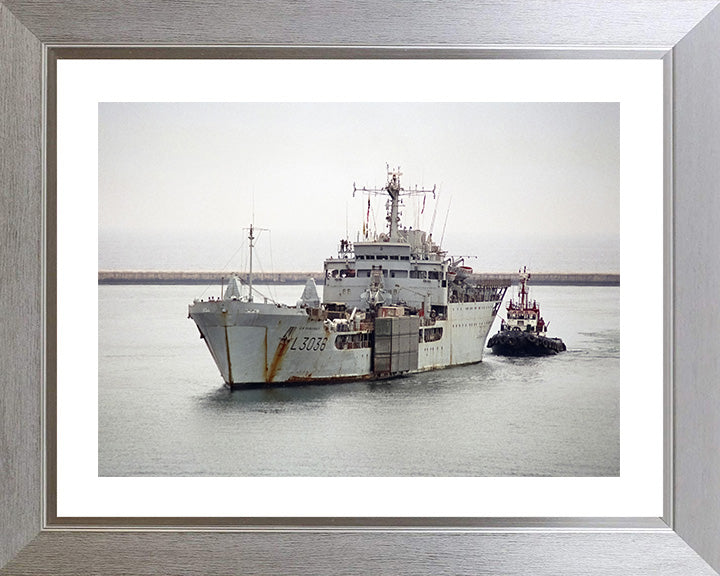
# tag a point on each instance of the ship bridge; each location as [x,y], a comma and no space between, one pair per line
[387,272]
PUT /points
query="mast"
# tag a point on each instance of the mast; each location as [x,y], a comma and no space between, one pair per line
[250,277]
[523,287]
[394,189]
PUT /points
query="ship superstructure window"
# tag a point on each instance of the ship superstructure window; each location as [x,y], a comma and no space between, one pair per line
[341,273]
[363,273]
[398,273]
[434,275]
[380,269]
[433,334]
[352,341]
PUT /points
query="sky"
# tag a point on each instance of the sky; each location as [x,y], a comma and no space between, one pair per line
[178,182]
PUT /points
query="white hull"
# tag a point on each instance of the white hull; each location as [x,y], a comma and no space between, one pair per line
[262,343]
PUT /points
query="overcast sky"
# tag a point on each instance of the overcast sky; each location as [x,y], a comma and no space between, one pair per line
[529,172]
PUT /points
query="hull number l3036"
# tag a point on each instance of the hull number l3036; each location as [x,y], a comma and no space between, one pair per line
[310,344]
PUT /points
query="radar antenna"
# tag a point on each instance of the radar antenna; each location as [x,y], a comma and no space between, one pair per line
[395,190]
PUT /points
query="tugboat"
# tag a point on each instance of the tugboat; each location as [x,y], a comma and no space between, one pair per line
[524,333]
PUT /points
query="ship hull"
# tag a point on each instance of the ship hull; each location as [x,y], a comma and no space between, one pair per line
[264,344]
[513,343]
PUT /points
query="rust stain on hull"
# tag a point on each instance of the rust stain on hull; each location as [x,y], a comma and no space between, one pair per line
[265,365]
[277,359]
[227,351]
[309,378]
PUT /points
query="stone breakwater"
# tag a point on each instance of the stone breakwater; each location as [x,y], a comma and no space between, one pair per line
[185,277]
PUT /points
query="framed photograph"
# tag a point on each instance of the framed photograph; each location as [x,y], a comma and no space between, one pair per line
[634,104]
[569,403]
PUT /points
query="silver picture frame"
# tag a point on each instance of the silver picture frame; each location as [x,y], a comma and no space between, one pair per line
[685,34]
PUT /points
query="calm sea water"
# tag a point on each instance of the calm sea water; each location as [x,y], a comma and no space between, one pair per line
[163,409]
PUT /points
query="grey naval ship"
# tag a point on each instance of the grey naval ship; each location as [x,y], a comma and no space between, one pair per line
[393,303]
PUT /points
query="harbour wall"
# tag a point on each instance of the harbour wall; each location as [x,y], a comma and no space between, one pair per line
[184,277]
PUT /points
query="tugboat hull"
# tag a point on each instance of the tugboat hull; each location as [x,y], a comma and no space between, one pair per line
[515,343]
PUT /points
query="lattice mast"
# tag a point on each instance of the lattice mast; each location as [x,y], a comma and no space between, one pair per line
[395,191]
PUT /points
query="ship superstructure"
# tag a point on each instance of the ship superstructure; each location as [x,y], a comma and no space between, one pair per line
[393,303]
